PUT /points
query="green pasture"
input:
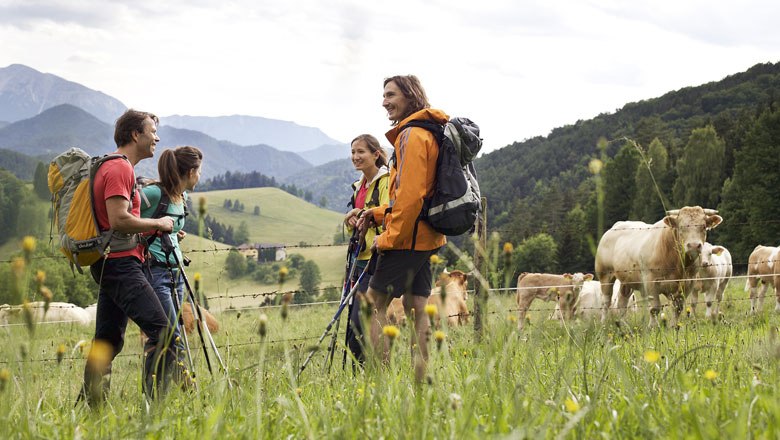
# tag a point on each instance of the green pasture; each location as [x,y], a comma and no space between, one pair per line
[283,218]
[583,379]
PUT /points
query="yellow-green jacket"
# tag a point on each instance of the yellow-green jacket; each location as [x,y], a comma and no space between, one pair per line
[380,183]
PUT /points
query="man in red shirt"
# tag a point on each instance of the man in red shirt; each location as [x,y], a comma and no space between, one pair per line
[125,291]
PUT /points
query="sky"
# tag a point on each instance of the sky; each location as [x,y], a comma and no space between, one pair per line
[518,68]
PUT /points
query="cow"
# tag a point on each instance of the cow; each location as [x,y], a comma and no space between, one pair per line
[761,269]
[57,312]
[395,312]
[452,289]
[712,278]
[589,301]
[564,289]
[656,259]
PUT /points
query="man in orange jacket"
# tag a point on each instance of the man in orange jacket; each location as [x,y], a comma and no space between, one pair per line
[407,243]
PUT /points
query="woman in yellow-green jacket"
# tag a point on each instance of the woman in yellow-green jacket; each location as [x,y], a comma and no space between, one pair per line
[370,191]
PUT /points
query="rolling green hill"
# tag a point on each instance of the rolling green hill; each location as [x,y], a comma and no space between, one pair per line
[283,218]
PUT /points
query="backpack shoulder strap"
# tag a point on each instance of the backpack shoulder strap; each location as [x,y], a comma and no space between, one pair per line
[432,126]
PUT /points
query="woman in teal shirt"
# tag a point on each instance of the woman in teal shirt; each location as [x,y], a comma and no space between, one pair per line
[179,170]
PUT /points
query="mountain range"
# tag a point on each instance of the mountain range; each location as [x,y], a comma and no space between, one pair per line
[40,113]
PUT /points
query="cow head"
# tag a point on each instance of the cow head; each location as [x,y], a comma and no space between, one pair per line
[690,225]
[707,251]
[569,296]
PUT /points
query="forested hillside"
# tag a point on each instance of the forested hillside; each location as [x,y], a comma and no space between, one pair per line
[714,145]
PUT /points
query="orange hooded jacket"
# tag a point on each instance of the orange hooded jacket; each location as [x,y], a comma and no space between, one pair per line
[411,179]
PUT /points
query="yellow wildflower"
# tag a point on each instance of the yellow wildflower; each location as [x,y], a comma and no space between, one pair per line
[508,248]
[60,352]
[5,376]
[435,259]
[439,336]
[40,277]
[595,166]
[390,331]
[201,206]
[430,310]
[710,375]
[571,405]
[283,271]
[28,246]
[652,356]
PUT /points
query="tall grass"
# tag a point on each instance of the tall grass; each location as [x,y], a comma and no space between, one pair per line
[579,380]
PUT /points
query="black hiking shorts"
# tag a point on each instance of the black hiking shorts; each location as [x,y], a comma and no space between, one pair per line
[403,271]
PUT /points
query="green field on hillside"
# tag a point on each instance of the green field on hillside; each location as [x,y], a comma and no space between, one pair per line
[283,218]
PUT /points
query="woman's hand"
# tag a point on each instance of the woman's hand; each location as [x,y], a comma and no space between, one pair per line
[181,234]
[351,218]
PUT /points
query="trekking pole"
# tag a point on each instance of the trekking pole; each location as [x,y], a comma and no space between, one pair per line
[355,245]
[182,330]
[197,312]
[167,247]
[336,316]
[199,317]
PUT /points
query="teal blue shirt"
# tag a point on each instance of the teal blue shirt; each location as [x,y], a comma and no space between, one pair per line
[150,197]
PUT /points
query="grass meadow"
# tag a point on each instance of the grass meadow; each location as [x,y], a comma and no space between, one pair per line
[584,379]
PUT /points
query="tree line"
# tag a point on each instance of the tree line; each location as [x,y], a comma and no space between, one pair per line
[712,146]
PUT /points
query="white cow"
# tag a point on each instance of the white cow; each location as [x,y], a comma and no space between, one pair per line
[58,312]
[713,277]
[656,259]
[761,269]
[589,301]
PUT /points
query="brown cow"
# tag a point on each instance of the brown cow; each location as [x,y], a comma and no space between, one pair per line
[762,268]
[395,312]
[565,289]
[655,259]
[189,321]
[453,286]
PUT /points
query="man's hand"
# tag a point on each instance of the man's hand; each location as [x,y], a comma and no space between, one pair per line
[165,224]
[181,234]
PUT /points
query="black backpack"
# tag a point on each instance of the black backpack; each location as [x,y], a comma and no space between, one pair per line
[455,203]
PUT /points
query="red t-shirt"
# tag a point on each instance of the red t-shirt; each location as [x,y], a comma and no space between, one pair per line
[360,197]
[116,177]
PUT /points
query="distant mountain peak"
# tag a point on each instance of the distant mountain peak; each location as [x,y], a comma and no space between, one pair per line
[254,130]
[26,92]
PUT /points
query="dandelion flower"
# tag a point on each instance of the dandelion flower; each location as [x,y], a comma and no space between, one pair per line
[430,310]
[508,247]
[283,271]
[40,277]
[390,331]
[60,352]
[5,376]
[439,336]
[197,281]
[595,166]
[299,391]
[652,356]
[710,375]
[511,318]
[688,311]
[100,355]
[571,405]
[28,246]
[435,259]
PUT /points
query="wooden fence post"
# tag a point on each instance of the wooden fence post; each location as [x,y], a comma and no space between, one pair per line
[480,264]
